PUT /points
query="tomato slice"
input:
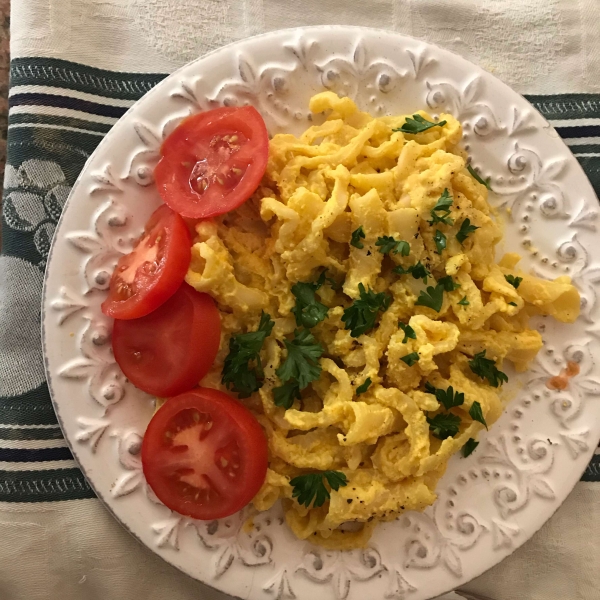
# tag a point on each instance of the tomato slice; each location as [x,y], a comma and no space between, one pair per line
[170,350]
[213,161]
[153,271]
[204,454]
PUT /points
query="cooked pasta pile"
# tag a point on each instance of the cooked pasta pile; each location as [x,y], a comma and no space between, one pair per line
[333,207]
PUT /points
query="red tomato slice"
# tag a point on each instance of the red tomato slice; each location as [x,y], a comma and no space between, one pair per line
[170,350]
[153,271]
[204,454]
[213,161]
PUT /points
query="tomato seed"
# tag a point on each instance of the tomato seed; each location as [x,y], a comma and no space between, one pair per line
[224,462]
[196,416]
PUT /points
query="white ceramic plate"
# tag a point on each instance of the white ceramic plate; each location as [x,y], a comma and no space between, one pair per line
[488,504]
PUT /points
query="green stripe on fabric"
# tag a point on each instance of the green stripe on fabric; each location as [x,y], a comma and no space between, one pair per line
[567,106]
[74,76]
[20,118]
[579,148]
[32,408]
[31,433]
[591,166]
[44,486]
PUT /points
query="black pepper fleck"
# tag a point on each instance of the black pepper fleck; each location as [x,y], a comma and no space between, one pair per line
[368,253]
[349,501]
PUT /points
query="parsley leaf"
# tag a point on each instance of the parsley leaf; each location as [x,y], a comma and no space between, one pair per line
[242,369]
[409,332]
[308,310]
[469,447]
[410,359]
[285,395]
[476,414]
[361,389]
[418,124]
[311,487]
[429,388]
[360,316]
[301,362]
[432,298]
[513,303]
[388,244]
[448,283]
[449,398]
[444,425]
[440,241]
[486,369]
[323,277]
[418,271]
[464,302]
[440,213]
[465,230]
[357,235]
[514,281]
[478,178]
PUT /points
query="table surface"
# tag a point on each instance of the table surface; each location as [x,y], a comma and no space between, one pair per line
[4,61]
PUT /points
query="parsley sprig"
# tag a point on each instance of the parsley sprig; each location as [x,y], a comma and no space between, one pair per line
[410,359]
[311,487]
[409,332]
[433,297]
[514,281]
[357,235]
[449,284]
[464,301]
[469,447]
[465,230]
[418,124]
[440,213]
[242,369]
[486,369]
[363,387]
[285,394]
[388,244]
[476,413]
[301,363]
[418,271]
[440,241]
[308,310]
[444,425]
[478,178]
[361,315]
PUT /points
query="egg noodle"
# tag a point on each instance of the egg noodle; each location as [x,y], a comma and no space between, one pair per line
[366,213]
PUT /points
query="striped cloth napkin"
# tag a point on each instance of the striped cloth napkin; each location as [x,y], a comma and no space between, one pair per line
[76,68]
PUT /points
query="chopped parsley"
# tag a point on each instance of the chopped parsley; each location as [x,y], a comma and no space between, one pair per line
[357,235]
[478,178]
[448,283]
[285,395]
[466,229]
[464,302]
[469,447]
[476,414]
[449,398]
[440,213]
[388,244]
[309,487]
[301,363]
[418,124]
[514,281]
[418,271]
[308,310]
[242,369]
[363,387]
[513,303]
[409,332]
[433,297]
[440,241]
[444,425]
[486,369]
[410,359]
[361,315]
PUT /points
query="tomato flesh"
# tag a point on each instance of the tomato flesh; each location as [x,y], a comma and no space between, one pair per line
[204,454]
[153,271]
[169,351]
[213,162]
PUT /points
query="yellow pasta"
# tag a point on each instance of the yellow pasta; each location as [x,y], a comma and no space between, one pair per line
[354,173]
